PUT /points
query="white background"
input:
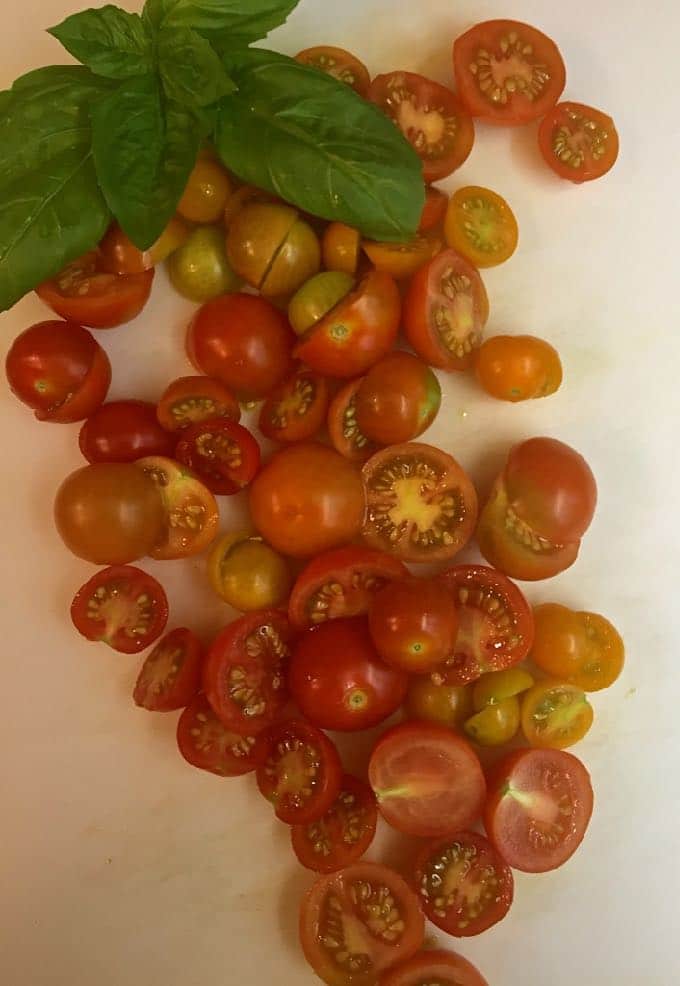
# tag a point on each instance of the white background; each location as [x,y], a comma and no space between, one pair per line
[120,865]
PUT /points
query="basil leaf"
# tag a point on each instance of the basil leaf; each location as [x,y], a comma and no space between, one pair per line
[52,208]
[191,71]
[230,22]
[145,147]
[316,143]
[110,41]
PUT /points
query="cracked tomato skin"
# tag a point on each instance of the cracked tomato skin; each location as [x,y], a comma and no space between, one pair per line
[122,606]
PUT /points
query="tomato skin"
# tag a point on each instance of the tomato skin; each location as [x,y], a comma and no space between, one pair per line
[122,431]
[341,836]
[248,574]
[578,142]
[272,248]
[338,681]
[481,226]
[495,724]
[121,606]
[413,623]
[207,192]
[190,400]
[223,454]
[344,432]
[121,256]
[296,410]
[434,210]
[436,966]
[341,246]
[190,514]
[582,648]
[316,298]
[206,743]
[199,269]
[397,400]
[518,368]
[338,63]
[171,675]
[58,370]
[438,702]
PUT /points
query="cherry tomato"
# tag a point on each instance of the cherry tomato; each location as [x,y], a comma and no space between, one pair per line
[431,118]
[272,248]
[121,256]
[497,686]
[402,260]
[59,370]
[345,434]
[338,681]
[538,809]
[413,624]
[190,400]
[343,834]
[507,72]
[434,210]
[445,311]
[555,714]
[428,781]
[338,63]
[122,607]
[171,675]
[299,771]
[109,513]
[87,293]
[358,332]
[317,296]
[307,499]
[343,939]
[481,226]
[247,573]
[199,270]
[434,701]
[242,341]
[190,513]
[206,743]
[582,648]
[496,724]
[243,196]
[341,583]
[496,627]
[434,968]
[518,368]
[123,431]
[222,453]
[341,247]
[578,142]
[296,410]
[207,192]
[397,400]
[421,505]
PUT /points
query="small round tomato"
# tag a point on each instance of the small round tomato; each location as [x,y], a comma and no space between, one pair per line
[338,681]
[481,226]
[582,648]
[190,511]
[341,247]
[497,686]
[272,248]
[358,332]
[356,924]
[445,311]
[413,623]
[59,370]
[190,400]
[507,72]
[518,368]
[307,499]
[345,434]
[87,293]
[299,771]
[316,298]
[428,781]
[431,118]
[247,573]
[402,260]
[496,724]
[555,715]
[538,809]
[434,968]
[397,400]
[244,675]
[338,63]
[109,513]
[199,269]
[343,834]
[222,453]
[578,142]
[434,210]
[435,701]
[123,431]
[341,583]
[296,410]
[121,256]
[171,675]
[207,192]
[243,196]
[206,743]
[242,341]
[421,505]
[122,607]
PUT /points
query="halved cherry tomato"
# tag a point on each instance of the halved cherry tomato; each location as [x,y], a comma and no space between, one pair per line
[518,368]
[402,260]
[190,400]
[413,623]
[538,809]
[206,743]
[431,118]
[123,607]
[343,834]
[341,246]
[434,968]
[191,514]
[272,248]
[296,410]
[398,399]
[358,332]
[481,226]
[316,298]
[299,771]
[428,781]
[421,505]
[207,192]
[578,142]
[496,627]
[244,676]
[171,675]
[507,72]
[445,310]
[341,64]
[555,715]
[345,434]
[356,924]
[434,209]
[465,887]
[87,293]
[247,573]
[122,431]
[121,256]
[497,686]
[59,370]
[222,453]
[495,724]
[435,701]
[583,648]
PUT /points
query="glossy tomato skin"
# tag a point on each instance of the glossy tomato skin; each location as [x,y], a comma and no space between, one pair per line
[190,400]
[121,256]
[343,429]
[317,296]
[338,63]
[59,370]
[199,269]
[582,648]
[518,368]
[190,513]
[206,743]
[222,453]
[343,834]
[578,142]
[437,701]
[413,624]
[296,410]
[171,675]
[338,681]
[207,192]
[397,400]
[272,248]
[247,573]
[121,606]
[122,431]
[435,966]
[341,247]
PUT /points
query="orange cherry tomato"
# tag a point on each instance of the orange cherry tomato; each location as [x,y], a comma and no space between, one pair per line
[207,192]
[338,63]
[481,226]
[555,715]
[401,260]
[341,246]
[518,368]
[582,648]
[578,142]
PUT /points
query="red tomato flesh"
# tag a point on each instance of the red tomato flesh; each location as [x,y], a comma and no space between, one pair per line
[223,454]
[123,607]
[171,675]
[205,742]
[343,834]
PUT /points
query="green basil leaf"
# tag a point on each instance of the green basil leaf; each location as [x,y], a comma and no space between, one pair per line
[52,208]
[110,41]
[191,71]
[231,22]
[316,143]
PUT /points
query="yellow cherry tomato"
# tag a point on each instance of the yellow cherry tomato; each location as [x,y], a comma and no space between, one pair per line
[498,685]
[341,246]
[555,715]
[583,648]
[206,193]
[448,705]
[247,573]
[496,724]
[316,297]
[481,226]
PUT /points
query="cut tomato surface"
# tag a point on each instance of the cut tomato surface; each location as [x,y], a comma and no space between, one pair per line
[171,675]
[578,142]
[343,834]
[123,607]
[205,742]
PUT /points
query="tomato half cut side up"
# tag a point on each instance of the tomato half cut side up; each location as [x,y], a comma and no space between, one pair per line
[539,806]
[191,514]
[297,409]
[356,924]
[191,400]
[507,72]
[222,453]
[338,63]
[171,675]
[434,968]
[343,429]
[343,834]
[121,606]
[205,742]
[481,226]
[578,142]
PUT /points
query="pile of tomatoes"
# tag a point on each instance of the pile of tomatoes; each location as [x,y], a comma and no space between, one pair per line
[336,633]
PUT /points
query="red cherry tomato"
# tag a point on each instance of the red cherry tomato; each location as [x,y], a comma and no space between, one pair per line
[296,410]
[343,834]
[121,256]
[434,210]
[171,675]
[206,743]
[123,431]
[413,624]
[222,453]
[123,607]
[436,967]
[338,63]
[578,142]
[344,432]
[190,400]
[397,400]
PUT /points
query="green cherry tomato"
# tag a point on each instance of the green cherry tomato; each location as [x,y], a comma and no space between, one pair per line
[199,269]
[496,724]
[317,297]
[499,685]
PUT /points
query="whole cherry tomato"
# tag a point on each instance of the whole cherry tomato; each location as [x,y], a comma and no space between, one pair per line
[199,269]
[123,431]
[207,192]
[247,573]
[341,247]
[582,648]
[518,368]
[413,624]
[397,400]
